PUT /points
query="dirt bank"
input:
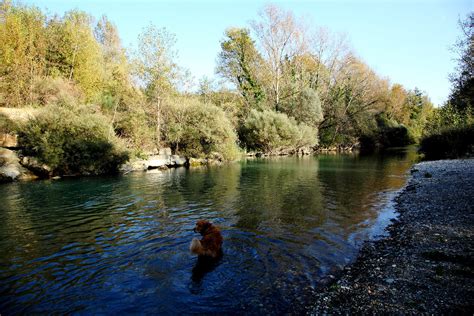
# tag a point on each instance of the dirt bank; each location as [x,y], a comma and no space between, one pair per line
[426,265]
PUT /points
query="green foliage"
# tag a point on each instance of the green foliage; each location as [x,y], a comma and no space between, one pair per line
[270,131]
[450,130]
[239,61]
[74,53]
[450,143]
[388,133]
[462,94]
[198,129]
[133,125]
[23,46]
[305,107]
[7,125]
[72,141]
[50,90]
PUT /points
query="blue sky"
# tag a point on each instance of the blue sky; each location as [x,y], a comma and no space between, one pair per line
[407,41]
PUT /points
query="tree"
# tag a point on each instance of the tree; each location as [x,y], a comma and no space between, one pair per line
[304,107]
[462,94]
[281,38]
[239,61]
[23,48]
[74,53]
[115,64]
[156,69]
[356,95]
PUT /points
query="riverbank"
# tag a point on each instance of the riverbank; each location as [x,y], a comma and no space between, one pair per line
[426,264]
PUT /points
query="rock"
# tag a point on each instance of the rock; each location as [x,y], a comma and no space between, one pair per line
[135,165]
[158,161]
[8,140]
[165,151]
[36,167]
[177,161]
[195,162]
[10,168]
[389,280]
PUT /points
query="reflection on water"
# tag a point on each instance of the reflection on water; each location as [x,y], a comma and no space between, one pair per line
[120,244]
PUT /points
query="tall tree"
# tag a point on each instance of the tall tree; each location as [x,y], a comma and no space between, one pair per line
[239,62]
[74,53]
[22,52]
[156,68]
[115,66]
[462,94]
[281,38]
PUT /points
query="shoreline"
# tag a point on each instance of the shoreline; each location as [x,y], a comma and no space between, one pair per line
[426,263]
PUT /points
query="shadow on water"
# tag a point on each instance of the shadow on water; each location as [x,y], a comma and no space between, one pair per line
[120,244]
[203,266]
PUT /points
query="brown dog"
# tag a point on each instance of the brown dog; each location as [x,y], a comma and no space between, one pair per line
[211,243]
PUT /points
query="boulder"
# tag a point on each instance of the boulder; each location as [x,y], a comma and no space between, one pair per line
[177,161]
[158,161]
[165,151]
[38,168]
[136,165]
[10,168]
[8,140]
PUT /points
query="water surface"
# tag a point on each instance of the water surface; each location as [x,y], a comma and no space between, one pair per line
[120,244]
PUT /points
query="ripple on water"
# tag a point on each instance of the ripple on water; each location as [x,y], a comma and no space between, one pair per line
[120,244]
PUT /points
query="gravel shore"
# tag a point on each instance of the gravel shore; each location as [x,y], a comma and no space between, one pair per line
[426,265]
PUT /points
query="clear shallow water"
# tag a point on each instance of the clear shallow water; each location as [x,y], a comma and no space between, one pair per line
[120,244]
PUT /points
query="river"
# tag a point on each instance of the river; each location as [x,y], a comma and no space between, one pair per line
[120,244]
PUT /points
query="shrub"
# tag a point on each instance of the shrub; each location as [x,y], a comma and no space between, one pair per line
[387,133]
[270,131]
[450,143]
[72,141]
[51,90]
[6,124]
[198,129]
[134,128]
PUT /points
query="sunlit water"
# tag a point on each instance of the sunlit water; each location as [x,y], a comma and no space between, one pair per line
[120,244]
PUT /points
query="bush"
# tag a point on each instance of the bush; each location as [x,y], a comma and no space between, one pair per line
[386,134]
[269,131]
[50,90]
[134,128]
[198,129]
[450,143]
[72,141]
[6,125]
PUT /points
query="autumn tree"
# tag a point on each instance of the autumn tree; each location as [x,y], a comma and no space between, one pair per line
[281,38]
[240,62]
[74,53]
[23,46]
[156,69]
[115,65]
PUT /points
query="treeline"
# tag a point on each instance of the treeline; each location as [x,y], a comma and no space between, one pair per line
[450,132]
[288,88]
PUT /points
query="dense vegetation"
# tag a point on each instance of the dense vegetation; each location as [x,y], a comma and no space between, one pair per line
[450,132]
[293,88]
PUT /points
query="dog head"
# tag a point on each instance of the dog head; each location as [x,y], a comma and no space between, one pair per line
[202,226]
